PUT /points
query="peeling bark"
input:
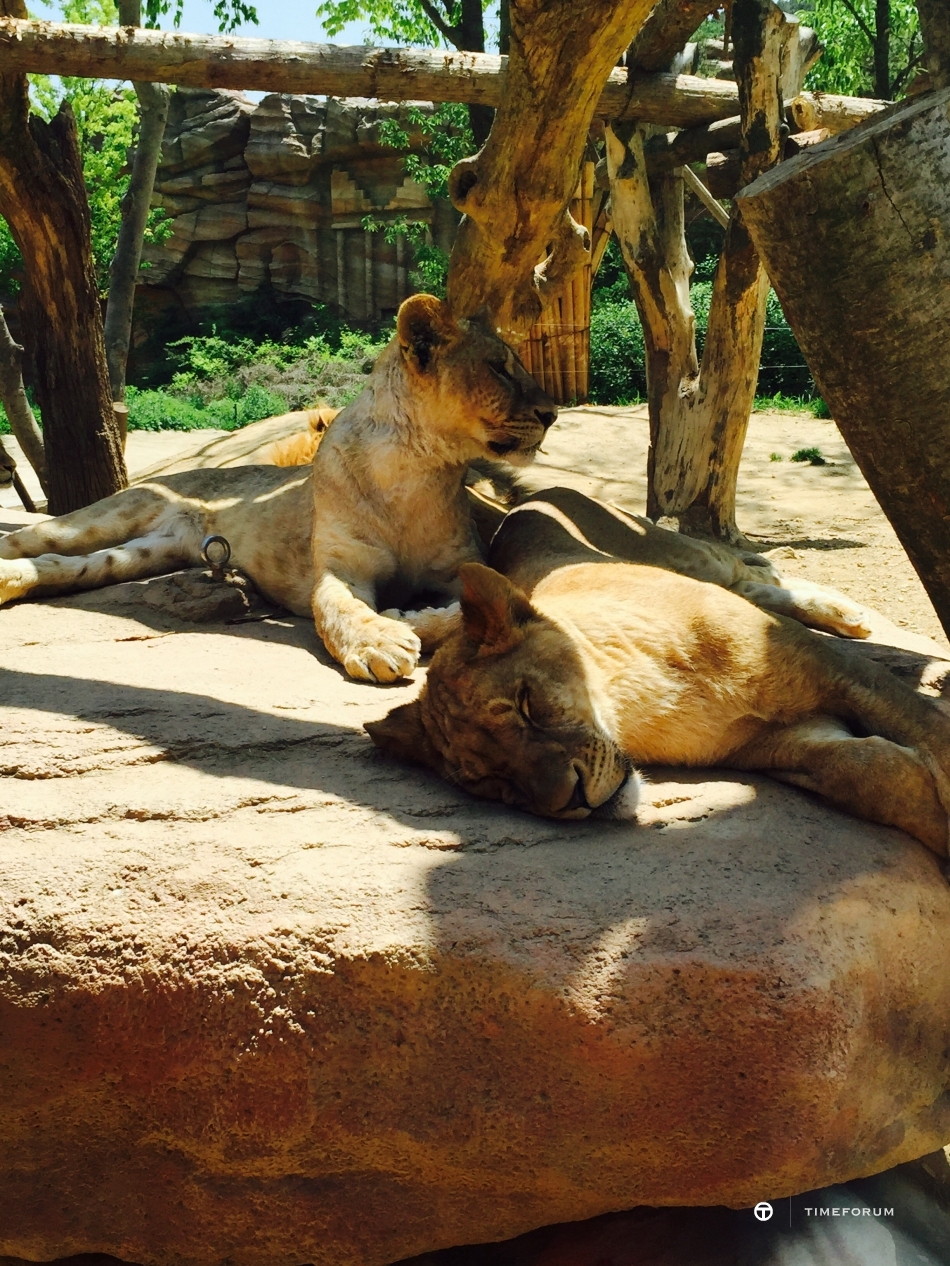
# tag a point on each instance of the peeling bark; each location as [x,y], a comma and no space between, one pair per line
[699,414]
[43,199]
[515,193]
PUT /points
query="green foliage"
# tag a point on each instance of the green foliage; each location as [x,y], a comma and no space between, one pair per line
[225,381]
[846,28]
[617,374]
[399,22]
[775,457]
[439,138]
[162,411]
[617,366]
[230,13]
[811,455]
[610,286]
[106,118]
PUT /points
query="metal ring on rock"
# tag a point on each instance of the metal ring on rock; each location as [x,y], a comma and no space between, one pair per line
[219,546]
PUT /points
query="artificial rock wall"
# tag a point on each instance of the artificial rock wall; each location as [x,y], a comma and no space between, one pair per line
[268,201]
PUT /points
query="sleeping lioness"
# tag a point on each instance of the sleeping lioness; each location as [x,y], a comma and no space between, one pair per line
[382,517]
[574,667]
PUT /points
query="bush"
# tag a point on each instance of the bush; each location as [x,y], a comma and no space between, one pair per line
[617,374]
[162,411]
[617,368]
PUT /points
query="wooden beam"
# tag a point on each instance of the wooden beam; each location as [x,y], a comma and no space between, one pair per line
[388,74]
[696,186]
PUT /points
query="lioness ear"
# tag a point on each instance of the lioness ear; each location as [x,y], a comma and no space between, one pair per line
[422,325]
[402,734]
[494,611]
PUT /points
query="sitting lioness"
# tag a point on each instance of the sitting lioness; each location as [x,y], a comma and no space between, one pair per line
[381,517]
[575,666]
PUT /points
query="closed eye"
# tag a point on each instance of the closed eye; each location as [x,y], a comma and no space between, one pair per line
[500,368]
[523,704]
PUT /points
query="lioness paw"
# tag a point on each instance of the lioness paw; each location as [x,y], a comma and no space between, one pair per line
[386,651]
[13,582]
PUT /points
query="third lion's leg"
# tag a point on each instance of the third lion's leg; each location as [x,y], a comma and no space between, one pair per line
[872,778]
[50,574]
[129,514]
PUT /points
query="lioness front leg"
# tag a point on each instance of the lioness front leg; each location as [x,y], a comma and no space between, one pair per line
[370,646]
[873,778]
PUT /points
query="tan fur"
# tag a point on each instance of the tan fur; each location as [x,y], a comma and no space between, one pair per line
[300,449]
[550,693]
[391,516]
[381,517]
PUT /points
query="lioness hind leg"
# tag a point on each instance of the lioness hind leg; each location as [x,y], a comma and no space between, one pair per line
[808,603]
[872,778]
[129,514]
[60,573]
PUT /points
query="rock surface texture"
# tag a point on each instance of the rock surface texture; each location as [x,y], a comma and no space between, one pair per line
[268,201]
[266,998]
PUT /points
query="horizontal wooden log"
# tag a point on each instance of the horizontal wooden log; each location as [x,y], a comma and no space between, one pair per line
[388,74]
[812,110]
[665,153]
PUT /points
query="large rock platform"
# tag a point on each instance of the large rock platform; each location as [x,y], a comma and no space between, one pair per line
[266,997]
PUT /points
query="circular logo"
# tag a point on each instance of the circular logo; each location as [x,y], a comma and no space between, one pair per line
[763,1211]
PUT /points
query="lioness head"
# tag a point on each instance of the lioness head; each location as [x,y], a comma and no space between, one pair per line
[506,712]
[468,386]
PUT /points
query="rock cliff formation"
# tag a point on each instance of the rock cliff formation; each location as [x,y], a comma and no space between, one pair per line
[268,201]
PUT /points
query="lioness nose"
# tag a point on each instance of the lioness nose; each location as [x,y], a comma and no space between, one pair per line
[545,416]
[578,798]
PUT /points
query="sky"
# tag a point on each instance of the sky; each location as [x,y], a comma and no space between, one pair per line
[277,20]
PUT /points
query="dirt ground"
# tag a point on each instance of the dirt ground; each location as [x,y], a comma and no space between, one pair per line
[819,522]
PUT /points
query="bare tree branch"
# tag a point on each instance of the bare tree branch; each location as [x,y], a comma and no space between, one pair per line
[871,35]
[451,33]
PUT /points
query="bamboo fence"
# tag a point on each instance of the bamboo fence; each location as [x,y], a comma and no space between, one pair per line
[557,350]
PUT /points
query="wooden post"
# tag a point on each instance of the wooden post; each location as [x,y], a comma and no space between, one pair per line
[563,329]
[864,285]
[698,419]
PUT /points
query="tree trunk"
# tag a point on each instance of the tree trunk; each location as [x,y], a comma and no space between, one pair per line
[43,199]
[882,48]
[935,29]
[865,291]
[389,74]
[699,416]
[665,33]
[17,407]
[124,270]
[515,193]
[472,40]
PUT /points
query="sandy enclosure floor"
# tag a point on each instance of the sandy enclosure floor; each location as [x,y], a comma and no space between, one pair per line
[819,522]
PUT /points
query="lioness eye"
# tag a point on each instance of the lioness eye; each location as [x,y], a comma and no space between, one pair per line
[500,368]
[523,703]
